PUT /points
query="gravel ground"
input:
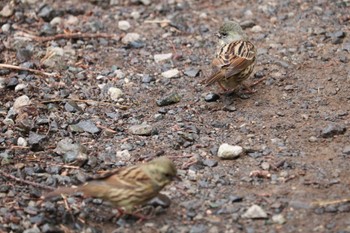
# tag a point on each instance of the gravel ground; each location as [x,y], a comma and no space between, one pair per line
[114,83]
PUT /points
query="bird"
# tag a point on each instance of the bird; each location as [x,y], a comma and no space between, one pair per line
[235,58]
[127,187]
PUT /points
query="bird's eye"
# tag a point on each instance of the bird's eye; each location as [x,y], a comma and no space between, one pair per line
[223,34]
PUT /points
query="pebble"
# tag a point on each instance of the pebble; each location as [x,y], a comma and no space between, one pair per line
[332,129]
[147,78]
[20,87]
[115,93]
[135,14]
[6,27]
[312,139]
[22,142]
[171,73]
[278,219]
[210,163]
[124,25]
[346,150]
[88,126]
[162,57]
[227,151]
[255,212]
[56,21]
[160,200]
[191,72]
[35,139]
[71,152]
[142,130]
[7,10]
[256,28]
[72,20]
[34,229]
[12,82]
[265,165]
[168,100]
[211,97]
[20,102]
[130,38]
[123,155]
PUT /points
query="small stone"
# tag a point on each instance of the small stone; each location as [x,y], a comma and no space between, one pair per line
[288,87]
[162,57]
[210,163]
[72,20]
[312,139]
[7,10]
[255,212]
[22,142]
[36,141]
[88,126]
[168,100]
[278,219]
[12,82]
[171,73]
[135,14]
[130,38]
[227,151]
[346,150]
[265,165]
[145,2]
[229,108]
[115,93]
[34,229]
[332,129]
[124,25]
[142,130]
[256,28]
[71,152]
[21,102]
[147,78]
[6,28]
[20,87]
[123,155]
[191,72]
[56,21]
[211,97]
[247,24]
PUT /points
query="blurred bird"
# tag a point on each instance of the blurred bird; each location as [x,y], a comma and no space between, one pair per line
[235,58]
[127,187]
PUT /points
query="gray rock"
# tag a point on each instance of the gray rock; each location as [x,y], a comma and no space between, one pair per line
[34,229]
[71,152]
[346,150]
[88,126]
[160,200]
[255,212]
[36,141]
[210,163]
[20,87]
[227,151]
[142,130]
[168,100]
[332,129]
[191,72]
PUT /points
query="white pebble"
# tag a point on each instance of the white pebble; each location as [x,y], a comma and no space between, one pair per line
[21,142]
[162,57]
[227,151]
[115,93]
[21,102]
[170,73]
[130,37]
[124,25]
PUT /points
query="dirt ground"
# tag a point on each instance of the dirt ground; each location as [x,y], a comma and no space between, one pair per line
[294,129]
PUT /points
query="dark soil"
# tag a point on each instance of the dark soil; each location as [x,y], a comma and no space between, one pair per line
[295,129]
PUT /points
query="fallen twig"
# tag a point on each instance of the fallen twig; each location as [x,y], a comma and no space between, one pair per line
[13,67]
[333,202]
[122,107]
[77,35]
[4,174]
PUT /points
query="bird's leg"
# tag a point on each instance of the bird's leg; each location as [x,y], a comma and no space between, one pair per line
[121,212]
[257,82]
[248,89]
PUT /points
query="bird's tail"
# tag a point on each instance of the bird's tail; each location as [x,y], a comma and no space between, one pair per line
[61,190]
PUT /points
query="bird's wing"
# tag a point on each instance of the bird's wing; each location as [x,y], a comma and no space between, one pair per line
[232,59]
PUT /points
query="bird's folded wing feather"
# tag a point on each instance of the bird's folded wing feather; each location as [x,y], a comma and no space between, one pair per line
[231,60]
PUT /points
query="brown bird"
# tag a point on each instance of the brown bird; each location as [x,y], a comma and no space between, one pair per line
[235,58]
[127,187]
